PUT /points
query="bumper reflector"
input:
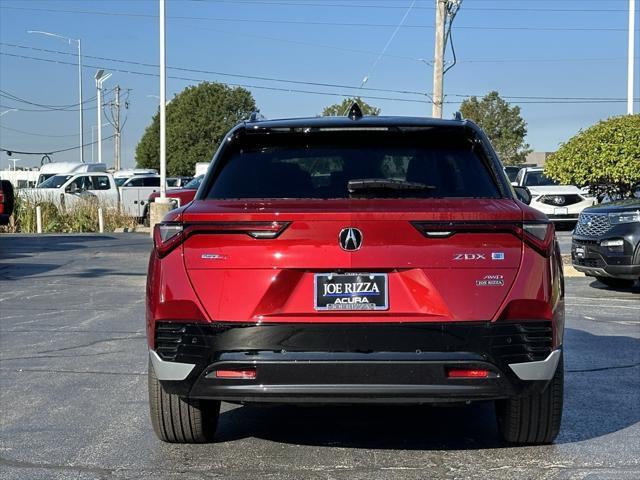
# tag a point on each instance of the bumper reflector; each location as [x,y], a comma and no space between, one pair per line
[246,374]
[467,373]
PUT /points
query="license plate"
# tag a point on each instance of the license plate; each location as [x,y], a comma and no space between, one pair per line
[351,291]
[561,211]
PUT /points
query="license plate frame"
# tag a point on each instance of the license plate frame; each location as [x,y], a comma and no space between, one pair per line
[561,211]
[369,299]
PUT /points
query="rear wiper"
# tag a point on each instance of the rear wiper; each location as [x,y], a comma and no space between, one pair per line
[368,185]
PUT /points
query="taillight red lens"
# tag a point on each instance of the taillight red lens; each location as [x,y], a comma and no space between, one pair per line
[244,374]
[463,373]
[168,236]
[447,229]
[539,235]
[253,229]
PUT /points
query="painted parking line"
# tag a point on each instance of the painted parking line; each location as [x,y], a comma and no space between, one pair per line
[600,306]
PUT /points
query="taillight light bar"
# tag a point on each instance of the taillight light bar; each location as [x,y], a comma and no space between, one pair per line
[467,373]
[537,234]
[168,236]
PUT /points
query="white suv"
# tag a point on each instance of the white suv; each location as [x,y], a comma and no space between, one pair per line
[561,203]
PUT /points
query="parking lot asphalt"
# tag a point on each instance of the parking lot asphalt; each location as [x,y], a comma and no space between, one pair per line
[73,400]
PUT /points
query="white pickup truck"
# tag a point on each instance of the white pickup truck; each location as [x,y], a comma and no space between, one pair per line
[66,189]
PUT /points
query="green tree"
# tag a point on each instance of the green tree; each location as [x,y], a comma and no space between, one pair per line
[197,120]
[341,109]
[605,157]
[502,123]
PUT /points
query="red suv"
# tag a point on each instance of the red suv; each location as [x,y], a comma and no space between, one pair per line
[6,201]
[355,260]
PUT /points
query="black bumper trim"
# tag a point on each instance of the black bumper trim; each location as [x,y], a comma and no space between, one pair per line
[354,363]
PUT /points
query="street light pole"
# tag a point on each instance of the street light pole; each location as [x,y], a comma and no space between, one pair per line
[630,66]
[80,102]
[100,78]
[163,98]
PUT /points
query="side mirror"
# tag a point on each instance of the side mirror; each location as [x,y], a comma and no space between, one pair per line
[72,189]
[523,194]
[515,184]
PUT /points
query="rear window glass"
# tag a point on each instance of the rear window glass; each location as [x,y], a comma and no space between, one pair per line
[352,164]
[535,179]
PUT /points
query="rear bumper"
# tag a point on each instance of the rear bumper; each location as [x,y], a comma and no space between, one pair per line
[409,364]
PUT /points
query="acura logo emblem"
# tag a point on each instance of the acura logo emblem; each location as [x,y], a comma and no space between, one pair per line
[350,239]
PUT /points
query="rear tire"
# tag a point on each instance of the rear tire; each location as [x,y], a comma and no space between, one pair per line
[177,419]
[533,419]
[616,282]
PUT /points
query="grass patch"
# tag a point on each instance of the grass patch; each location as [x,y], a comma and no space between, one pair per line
[80,217]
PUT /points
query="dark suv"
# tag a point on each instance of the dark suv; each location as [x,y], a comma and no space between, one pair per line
[355,260]
[606,242]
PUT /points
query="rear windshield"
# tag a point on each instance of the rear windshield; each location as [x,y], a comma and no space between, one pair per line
[385,164]
[535,179]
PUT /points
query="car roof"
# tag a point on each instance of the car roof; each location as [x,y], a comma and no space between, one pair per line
[346,122]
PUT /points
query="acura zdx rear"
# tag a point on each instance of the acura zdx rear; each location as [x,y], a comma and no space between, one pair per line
[355,260]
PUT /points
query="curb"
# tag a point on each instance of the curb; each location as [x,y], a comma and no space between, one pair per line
[568,269]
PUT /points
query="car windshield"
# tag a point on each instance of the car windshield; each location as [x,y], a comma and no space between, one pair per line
[533,179]
[194,184]
[435,163]
[120,181]
[55,182]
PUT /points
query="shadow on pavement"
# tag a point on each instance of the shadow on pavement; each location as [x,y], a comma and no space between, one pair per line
[16,247]
[19,246]
[635,288]
[602,395]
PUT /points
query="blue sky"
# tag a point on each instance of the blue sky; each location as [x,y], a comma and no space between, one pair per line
[522,48]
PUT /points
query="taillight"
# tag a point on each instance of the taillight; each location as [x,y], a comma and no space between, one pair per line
[539,235]
[168,236]
[447,229]
[241,374]
[467,373]
[253,229]
[536,234]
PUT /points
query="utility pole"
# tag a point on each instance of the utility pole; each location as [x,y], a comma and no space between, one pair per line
[117,127]
[630,66]
[438,64]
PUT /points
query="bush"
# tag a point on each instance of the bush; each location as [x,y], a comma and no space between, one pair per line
[81,217]
[605,157]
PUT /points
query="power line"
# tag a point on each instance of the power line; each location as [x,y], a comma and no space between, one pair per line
[10,96]
[339,94]
[51,152]
[395,7]
[227,74]
[316,23]
[190,79]
[37,134]
[254,77]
